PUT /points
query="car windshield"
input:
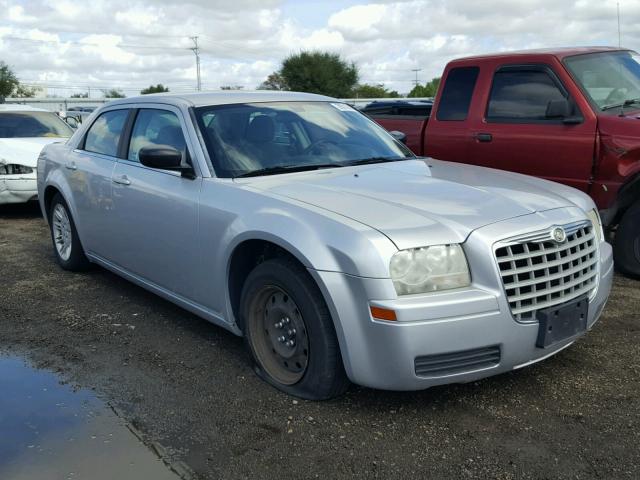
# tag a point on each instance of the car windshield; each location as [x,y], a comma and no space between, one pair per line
[32,124]
[611,79]
[276,137]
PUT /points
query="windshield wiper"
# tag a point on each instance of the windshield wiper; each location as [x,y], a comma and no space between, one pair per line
[287,169]
[626,103]
[367,161]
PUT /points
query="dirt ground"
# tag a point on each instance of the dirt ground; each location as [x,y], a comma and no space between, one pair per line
[188,388]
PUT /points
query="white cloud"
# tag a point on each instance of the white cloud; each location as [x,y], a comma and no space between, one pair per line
[132,43]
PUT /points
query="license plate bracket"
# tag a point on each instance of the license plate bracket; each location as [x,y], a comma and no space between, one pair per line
[562,322]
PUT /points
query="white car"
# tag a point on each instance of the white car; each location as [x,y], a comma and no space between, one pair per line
[24,131]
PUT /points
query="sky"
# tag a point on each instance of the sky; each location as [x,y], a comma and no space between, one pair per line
[74,45]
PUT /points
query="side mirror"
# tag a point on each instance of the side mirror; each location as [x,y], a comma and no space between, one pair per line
[558,109]
[165,157]
[563,110]
[73,122]
[399,136]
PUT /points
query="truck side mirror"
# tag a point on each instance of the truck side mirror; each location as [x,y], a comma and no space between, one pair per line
[558,109]
[563,110]
[399,136]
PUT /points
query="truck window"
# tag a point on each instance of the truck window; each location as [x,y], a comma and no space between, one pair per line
[457,93]
[522,95]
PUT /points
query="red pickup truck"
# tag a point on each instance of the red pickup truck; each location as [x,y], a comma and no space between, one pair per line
[568,115]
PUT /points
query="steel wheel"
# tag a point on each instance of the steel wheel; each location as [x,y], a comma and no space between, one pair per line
[62,237]
[279,337]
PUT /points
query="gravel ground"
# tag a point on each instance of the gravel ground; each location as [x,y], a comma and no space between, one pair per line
[188,388]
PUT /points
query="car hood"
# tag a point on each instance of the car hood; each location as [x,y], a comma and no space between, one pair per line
[24,151]
[419,202]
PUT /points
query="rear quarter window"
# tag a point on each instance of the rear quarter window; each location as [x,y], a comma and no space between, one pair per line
[457,93]
[104,134]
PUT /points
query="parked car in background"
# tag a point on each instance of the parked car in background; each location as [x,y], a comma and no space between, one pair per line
[294,220]
[74,116]
[567,115]
[23,132]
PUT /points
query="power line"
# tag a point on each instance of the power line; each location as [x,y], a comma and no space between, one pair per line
[416,70]
[89,44]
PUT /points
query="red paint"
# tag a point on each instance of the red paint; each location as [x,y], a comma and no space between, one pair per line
[597,156]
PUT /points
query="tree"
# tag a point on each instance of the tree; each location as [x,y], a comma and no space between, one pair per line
[80,95]
[319,72]
[159,88]
[231,87]
[24,91]
[373,91]
[113,93]
[429,89]
[274,82]
[8,81]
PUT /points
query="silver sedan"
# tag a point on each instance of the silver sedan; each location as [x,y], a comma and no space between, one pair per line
[295,221]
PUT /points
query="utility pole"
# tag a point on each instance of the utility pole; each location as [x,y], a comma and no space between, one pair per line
[416,70]
[619,35]
[196,50]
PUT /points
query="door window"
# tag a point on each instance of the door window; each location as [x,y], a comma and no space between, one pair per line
[155,127]
[104,135]
[457,94]
[522,95]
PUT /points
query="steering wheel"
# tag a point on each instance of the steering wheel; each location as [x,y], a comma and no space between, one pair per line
[618,91]
[317,143]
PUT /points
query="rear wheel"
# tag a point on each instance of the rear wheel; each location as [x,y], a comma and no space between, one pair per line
[626,249]
[66,244]
[289,331]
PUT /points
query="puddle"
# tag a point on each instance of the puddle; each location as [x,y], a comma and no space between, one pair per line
[51,431]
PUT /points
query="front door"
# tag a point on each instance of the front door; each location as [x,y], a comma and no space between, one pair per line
[155,212]
[515,134]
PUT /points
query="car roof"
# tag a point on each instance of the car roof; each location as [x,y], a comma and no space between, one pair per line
[15,107]
[224,97]
[559,53]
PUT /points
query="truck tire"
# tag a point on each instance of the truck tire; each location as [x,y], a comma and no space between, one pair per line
[626,247]
[66,243]
[289,331]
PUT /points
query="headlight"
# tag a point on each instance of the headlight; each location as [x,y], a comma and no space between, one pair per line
[598,231]
[13,169]
[429,269]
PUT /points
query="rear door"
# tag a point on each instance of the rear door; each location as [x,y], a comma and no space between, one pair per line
[447,133]
[89,168]
[155,212]
[513,133]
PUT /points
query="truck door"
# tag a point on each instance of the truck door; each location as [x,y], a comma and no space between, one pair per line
[519,131]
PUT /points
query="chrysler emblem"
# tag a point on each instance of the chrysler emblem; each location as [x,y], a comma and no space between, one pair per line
[558,234]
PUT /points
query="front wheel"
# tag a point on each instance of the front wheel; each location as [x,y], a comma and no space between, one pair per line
[66,244]
[289,331]
[626,247]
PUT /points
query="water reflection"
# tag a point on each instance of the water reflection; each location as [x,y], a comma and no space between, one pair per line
[51,431]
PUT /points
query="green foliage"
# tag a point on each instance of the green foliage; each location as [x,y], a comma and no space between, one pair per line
[80,95]
[23,91]
[159,88]
[274,82]
[373,91]
[8,81]
[113,93]
[429,89]
[319,72]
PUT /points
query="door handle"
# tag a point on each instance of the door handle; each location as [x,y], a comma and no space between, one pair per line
[122,180]
[483,137]
[71,165]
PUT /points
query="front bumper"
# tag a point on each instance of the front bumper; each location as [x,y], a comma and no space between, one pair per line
[18,188]
[383,355]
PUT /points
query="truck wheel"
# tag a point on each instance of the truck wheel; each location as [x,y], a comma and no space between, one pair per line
[626,248]
[66,244]
[289,331]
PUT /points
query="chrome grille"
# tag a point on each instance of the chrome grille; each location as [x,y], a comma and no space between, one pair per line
[537,272]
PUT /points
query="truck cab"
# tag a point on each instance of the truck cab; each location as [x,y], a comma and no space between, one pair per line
[567,115]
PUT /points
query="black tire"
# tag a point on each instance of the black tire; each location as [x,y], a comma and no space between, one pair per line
[75,261]
[626,246]
[323,376]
